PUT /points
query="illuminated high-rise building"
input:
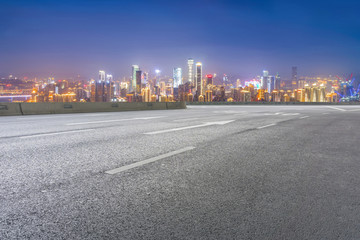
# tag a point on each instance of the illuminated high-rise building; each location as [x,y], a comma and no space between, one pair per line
[271,83]
[145,92]
[235,94]
[162,85]
[138,82]
[102,76]
[135,68]
[238,83]
[208,96]
[198,76]
[307,93]
[104,88]
[190,76]
[92,90]
[209,79]
[277,82]
[245,96]
[261,95]
[109,77]
[264,80]
[301,83]
[157,77]
[294,74]
[294,78]
[322,93]
[145,78]
[177,76]
[225,79]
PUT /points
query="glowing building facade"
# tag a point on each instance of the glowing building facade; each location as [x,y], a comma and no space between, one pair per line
[135,68]
[198,77]
[190,64]
[177,77]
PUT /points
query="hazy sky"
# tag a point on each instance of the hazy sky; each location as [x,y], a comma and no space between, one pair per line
[234,37]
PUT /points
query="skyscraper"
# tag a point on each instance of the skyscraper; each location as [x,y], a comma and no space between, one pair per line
[109,77]
[270,83]
[177,76]
[190,63]
[101,75]
[277,82]
[135,68]
[104,88]
[157,77]
[264,79]
[145,78]
[209,79]
[294,73]
[294,77]
[199,88]
[138,82]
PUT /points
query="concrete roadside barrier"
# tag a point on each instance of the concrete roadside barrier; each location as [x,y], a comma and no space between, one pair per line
[10,109]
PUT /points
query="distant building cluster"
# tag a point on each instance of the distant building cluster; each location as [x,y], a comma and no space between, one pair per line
[191,85]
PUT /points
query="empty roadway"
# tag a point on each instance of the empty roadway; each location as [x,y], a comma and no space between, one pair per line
[206,172]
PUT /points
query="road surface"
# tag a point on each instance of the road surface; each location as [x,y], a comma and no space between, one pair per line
[206,172]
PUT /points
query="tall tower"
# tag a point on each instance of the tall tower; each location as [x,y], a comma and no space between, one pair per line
[138,82]
[209,79]
[198,77]
[270,83]
[109,77]
[264,79]
[190,63]
[135,68]
[294,74]
[177,76]
[145,78]
[277,82]
[102,76]
[294,77]
[99,87]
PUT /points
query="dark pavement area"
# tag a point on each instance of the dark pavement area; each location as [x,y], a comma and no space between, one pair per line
[214,172]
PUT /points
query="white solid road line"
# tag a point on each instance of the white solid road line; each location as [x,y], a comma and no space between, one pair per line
[303,117]
[336,108]
[273,124]
[190,127]
[114,120]
[56,133]
[150,160]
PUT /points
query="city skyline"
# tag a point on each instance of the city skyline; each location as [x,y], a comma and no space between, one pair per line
[232,37]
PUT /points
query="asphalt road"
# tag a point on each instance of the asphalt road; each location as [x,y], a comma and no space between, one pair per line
[207,172]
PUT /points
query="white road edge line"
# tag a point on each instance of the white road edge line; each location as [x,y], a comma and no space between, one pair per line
[336,108]
[303,117]
[273,124]
[57,133]
[150,160]
[114,120]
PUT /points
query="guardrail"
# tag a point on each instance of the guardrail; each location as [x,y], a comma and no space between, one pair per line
[11,109]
